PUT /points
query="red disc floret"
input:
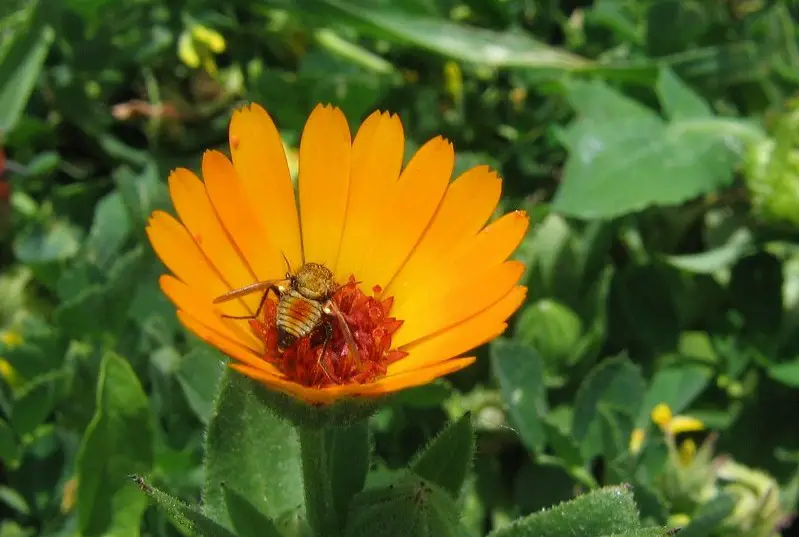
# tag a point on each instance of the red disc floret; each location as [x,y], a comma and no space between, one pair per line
[372,329]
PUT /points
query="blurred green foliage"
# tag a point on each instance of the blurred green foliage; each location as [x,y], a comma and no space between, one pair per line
[654,143]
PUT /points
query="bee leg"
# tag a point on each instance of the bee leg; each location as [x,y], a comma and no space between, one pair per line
[328,334]
[331,309]
[260,308]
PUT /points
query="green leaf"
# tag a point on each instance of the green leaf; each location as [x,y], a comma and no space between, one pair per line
[601,512]
[14,500]
[117,443]
[664,16]
[738,245]
[9,447]
[756,290]
[110,229]
[624,157]
[520,374]
[615,383]
[457,41]
[642,532]
[47,243]
[21,61]
[185,516]
[552,329]
[251,452]
[786,373]
[447,458]
[635,289]
[199,375]
[709,516]
[247,520]
[677,386]
[350,450]
[408,507]
[678,100]
[36,401]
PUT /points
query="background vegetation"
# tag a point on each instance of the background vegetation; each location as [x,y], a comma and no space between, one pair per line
[654,142]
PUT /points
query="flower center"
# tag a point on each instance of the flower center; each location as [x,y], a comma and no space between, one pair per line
[323,357]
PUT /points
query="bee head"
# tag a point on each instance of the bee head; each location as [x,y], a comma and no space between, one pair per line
[314,281]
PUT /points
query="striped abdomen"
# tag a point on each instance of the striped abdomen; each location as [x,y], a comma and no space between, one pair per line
[297,317]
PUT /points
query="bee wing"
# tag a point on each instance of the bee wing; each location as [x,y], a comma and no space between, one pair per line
[247,289]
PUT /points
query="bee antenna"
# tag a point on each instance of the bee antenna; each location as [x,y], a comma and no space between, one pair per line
[286,259]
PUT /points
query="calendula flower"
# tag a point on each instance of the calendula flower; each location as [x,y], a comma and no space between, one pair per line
[416,275]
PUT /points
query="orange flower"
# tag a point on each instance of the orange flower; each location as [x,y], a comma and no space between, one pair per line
[420,278]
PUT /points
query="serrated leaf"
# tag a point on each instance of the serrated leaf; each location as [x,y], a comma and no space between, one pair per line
[251,452]
[446,460]
[520,374]
[407,507]
[624,157]
[117,443]
[185,516]
[247,520]
[601,512]
[642,532]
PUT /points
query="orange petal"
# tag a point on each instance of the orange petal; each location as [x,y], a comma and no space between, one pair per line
[198,215]
[494,244]
[229,347]
[377,154]
[331,394]
[309,395]
[175,247]
[411,204]
[467,205]
[469,334]
[261,165]
[441,309]
[409,379]
[324,182]
[184,298]
[236,212]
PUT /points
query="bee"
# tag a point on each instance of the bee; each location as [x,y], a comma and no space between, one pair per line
[304,307]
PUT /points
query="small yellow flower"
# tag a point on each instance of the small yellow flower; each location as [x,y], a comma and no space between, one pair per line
[687,451]
[211,38]
[418,275]
[11,338]
[661,415]
[187,52]
[198,45]
[663,418]
[637,438]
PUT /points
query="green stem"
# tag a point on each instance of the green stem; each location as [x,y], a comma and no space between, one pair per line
[320,506]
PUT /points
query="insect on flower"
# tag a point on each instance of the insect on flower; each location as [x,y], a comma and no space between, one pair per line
[305,308]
